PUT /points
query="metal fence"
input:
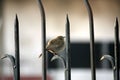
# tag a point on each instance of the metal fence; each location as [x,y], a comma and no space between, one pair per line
[67,62]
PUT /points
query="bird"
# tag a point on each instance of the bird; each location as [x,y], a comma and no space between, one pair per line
[56,45]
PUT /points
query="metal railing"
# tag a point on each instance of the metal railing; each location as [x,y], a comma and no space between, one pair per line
[15,60]
[66,62]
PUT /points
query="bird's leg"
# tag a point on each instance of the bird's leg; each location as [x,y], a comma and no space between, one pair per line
[54,53]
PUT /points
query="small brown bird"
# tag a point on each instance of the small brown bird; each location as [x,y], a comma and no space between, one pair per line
[55,45]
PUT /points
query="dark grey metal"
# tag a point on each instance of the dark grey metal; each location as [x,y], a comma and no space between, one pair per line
[1,34]
[43,20]
[17,57]
[112,61]
[115,61]
[92,48]
[12,59]
[60,58]
[15,60]
[1,8]
[116,49]
[66,63]
[68,51]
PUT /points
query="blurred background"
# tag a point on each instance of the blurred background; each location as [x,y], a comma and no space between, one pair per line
[104,11]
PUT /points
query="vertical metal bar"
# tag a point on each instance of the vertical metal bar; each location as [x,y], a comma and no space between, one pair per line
[116,48]
[1,34]
[92,52]
[68,52]
[43,20]
[17,60]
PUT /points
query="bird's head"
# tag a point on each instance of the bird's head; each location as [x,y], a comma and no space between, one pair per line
[61,37]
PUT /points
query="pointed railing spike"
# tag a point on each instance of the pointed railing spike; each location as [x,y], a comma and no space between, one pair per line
[116,49]
[17,55]
[68,51]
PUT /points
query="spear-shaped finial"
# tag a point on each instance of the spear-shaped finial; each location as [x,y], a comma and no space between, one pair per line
[17,56]
[68,50]
[116,49]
